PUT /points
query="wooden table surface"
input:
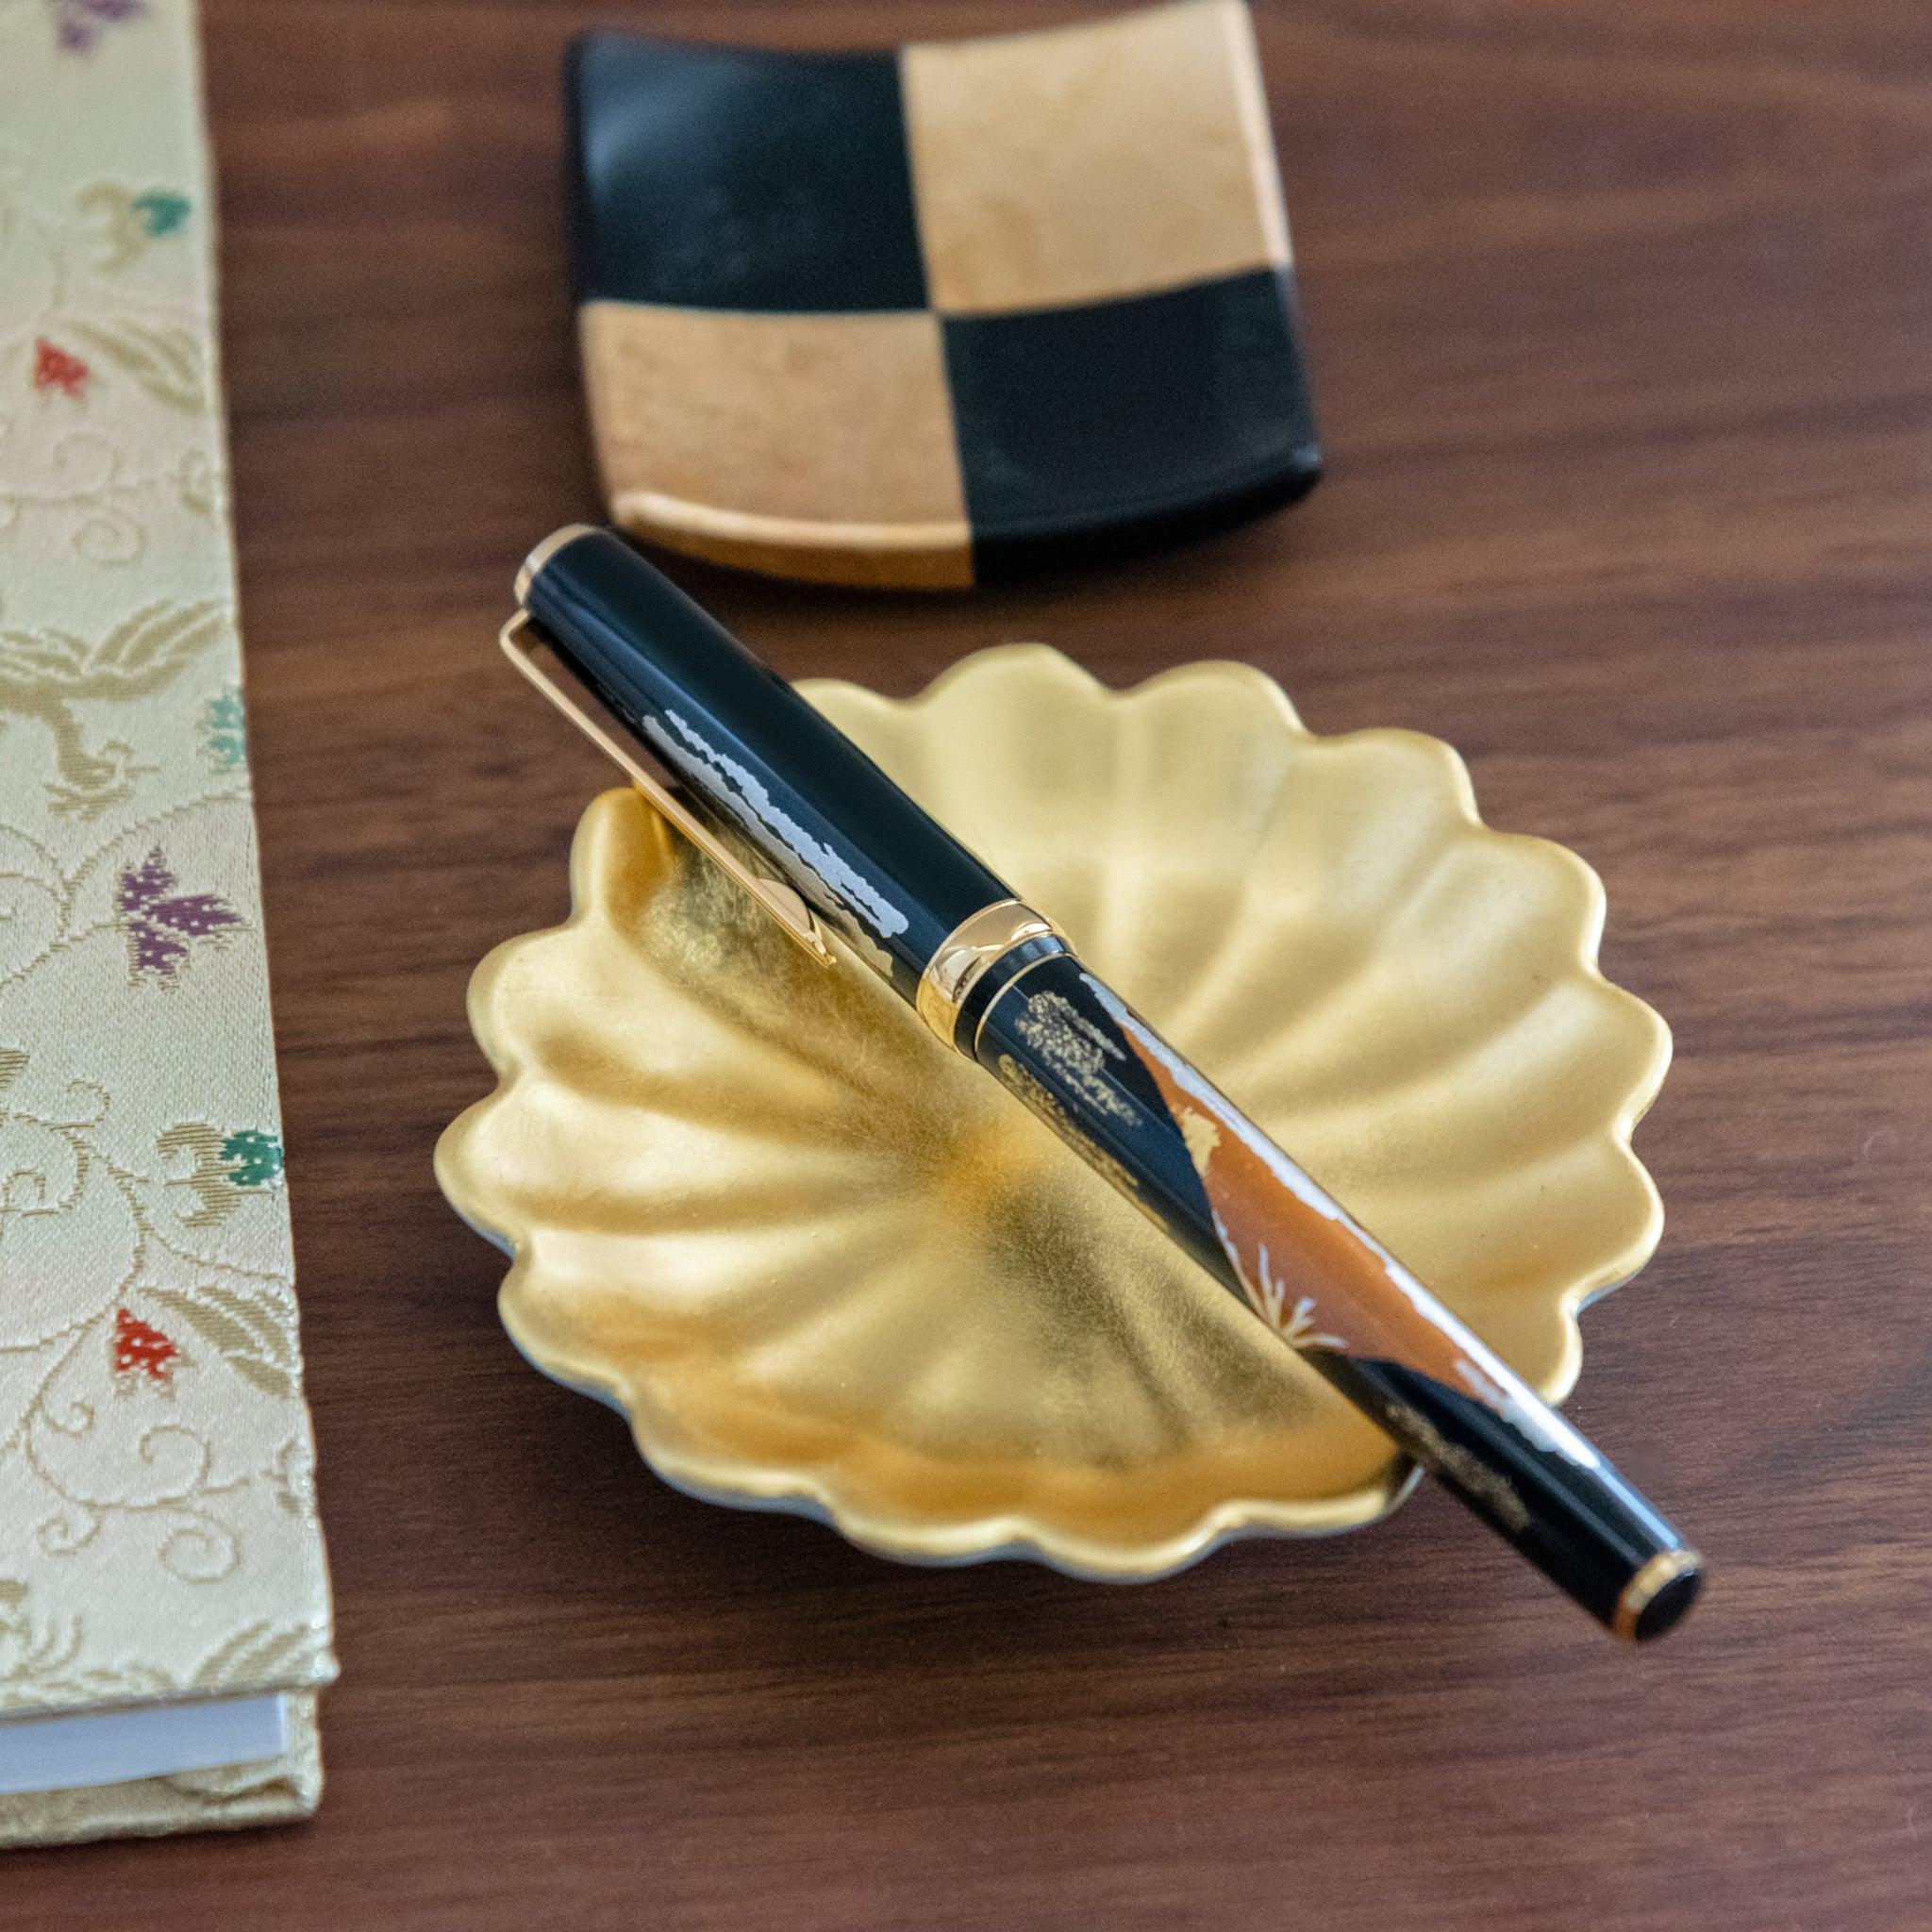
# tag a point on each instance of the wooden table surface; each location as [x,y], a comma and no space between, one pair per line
[1621,323]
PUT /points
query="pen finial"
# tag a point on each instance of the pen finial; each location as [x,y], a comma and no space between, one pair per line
[544,552]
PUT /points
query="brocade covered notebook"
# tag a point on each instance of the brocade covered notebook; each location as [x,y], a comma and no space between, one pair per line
[164,1615]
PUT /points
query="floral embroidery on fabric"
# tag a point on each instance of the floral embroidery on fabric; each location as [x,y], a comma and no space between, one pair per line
[39,1659]
[56,369]
[292,1477]
[162,1477]
[161,924]
[165,360]
[255,1159]
[96,342]
[224,1167]
[78,23]
[156,1524]
[63,1449]
[160,213]
[141,1349]
[129,221]
[224,730]
[252,1331]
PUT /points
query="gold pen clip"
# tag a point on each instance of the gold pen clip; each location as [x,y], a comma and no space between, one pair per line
[526,648]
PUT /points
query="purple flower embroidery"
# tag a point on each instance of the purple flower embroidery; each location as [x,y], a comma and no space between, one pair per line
[160,923]
[78,23]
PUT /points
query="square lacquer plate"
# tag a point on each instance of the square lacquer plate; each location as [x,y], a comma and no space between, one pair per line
[932,316]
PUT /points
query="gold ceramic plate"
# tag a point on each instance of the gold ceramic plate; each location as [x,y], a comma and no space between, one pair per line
[824,1265]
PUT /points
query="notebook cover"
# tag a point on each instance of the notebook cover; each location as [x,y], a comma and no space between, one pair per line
[158,1539]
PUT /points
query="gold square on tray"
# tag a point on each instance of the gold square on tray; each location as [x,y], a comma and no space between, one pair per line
[1092,162]
[830,436]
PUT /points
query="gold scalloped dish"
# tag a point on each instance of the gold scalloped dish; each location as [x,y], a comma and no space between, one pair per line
[822,1265]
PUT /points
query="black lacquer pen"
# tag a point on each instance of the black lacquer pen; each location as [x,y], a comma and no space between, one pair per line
[742,762]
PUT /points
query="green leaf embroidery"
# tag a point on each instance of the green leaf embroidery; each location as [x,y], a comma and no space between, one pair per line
[224,730]
[160,213]
[255,1159]
[221,1166]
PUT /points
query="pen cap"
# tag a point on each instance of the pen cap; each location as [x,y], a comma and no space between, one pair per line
[743,745]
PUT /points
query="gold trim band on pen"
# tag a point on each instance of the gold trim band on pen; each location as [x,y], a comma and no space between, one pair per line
[978,942]
[544,552]
[1643,1589]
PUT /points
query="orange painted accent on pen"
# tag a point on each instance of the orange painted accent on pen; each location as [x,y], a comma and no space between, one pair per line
[1317,1279]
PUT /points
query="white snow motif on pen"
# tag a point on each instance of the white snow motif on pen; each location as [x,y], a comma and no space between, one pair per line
[1269,1299]
[751,805]
[1540,1424]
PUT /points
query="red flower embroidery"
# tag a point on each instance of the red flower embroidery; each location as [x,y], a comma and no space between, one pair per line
[141,1349]
[54,368]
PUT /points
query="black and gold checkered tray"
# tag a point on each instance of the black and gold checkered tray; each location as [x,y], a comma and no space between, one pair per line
[930,317]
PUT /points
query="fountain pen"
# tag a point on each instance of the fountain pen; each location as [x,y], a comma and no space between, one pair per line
[804,819]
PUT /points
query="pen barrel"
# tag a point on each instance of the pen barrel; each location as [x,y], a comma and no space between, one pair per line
[1146,1120]
[760,761]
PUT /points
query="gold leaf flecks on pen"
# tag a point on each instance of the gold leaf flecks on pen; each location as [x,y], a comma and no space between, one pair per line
[1268,1297]
[1041,1100]
[1202,1136]
[1473,1475]
[1075,1049]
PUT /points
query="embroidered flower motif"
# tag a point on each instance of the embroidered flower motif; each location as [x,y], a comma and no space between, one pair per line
[54,368]
[291,1475]
[78,23]
[161,923]
[224,730]
[254,1158]
[141,1349]
[125,222]
[158,211]
[223,1165]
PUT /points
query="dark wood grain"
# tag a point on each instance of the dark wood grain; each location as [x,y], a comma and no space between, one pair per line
[1622,320]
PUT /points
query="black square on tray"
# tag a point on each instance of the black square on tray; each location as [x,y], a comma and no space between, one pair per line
[722,177]
[1112,423]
